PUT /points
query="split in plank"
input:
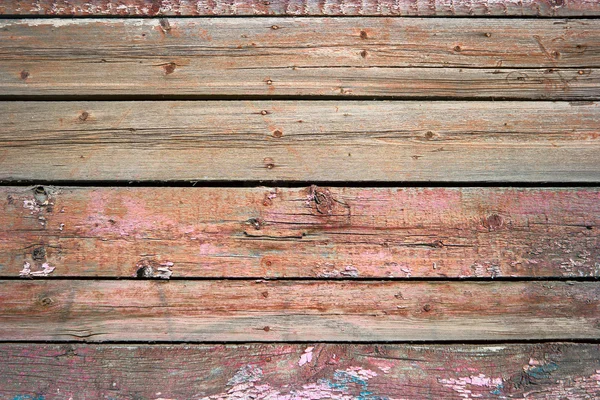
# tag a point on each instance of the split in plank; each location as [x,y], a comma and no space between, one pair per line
[149,8]
[488,58]
[297,372]
[242,311]
[316,232]
[300,141]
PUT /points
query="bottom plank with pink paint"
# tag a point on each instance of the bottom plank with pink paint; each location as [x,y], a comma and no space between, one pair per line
[284,371]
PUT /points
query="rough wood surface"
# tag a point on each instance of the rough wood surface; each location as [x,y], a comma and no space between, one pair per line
[242,311]
[544,8]
[300,372]
[481,58]
[301,141]
[306,232]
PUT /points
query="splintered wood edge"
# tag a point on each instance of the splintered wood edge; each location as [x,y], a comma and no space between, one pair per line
[301,372]
[467,8]
[311,232]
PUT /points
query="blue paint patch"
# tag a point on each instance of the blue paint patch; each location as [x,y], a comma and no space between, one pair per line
[28,397]
[498,390]
[343,379]
[542,371]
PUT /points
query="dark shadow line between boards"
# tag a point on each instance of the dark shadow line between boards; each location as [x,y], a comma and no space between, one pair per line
[296,98]
[262,279]
[183,183]
[436,342]
[293,16]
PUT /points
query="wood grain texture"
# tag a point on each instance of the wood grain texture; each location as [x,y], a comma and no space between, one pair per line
[242,311]
[338,372]
[543,8]
[301,141]
[481,58]
[313,232]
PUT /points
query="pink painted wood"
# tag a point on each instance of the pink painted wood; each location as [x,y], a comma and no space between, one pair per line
[543,8]
[550,371]
[315,232]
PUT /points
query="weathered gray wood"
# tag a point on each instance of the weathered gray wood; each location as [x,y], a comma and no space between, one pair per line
[534,59]
[301,141]
[338,372]
[544,8]
[242,311]
[316,232]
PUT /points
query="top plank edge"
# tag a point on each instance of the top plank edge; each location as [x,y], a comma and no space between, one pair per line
[418,8]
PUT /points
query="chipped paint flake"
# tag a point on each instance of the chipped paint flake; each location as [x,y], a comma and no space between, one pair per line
[350,271]
[306,357]
[465,386]
[45,271]
[349,384]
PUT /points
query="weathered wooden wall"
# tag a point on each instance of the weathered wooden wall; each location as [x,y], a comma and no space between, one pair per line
[368,269]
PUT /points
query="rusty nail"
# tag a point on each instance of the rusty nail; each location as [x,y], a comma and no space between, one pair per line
[363,54]
[274,27]
[84,115]
[24,74]
[269,82]
[277,133]
[363,35]
[457,48]
[264,112]
[426,308]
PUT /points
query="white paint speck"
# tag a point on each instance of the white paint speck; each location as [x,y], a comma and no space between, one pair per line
[306,357]
[26,271]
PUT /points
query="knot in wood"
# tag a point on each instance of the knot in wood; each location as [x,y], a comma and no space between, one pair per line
[322,199]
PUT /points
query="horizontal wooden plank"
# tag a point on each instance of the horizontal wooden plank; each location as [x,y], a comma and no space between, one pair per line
[543,8]
[297,372]
[226,310]
[306,232]
[535,59]
[301,141]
